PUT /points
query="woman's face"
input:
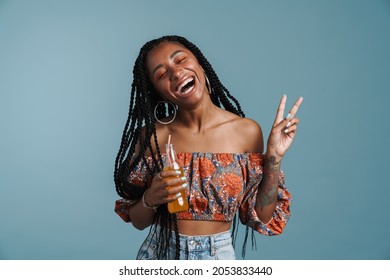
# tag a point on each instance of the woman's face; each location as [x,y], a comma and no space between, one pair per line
[175,73]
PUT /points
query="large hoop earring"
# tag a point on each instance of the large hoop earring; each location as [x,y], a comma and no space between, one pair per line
[165,103]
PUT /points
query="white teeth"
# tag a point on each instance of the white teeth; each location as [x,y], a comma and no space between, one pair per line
[185,82]
[187,90]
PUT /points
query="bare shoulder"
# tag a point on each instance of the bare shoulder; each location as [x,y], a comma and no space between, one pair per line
[245,133]
[248,126]
[250,133]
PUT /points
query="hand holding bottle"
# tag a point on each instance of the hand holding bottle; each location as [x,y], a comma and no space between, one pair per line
[166,187]
[169,185]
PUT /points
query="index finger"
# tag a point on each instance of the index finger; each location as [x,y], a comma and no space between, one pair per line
[280,112]
[295,108]
[165,174]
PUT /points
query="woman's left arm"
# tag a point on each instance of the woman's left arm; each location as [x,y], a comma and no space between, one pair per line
[279,141]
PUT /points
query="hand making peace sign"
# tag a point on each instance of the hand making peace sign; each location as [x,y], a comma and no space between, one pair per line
[283,129]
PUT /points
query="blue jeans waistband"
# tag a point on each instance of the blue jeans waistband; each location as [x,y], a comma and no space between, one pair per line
[202,242]
[206,247]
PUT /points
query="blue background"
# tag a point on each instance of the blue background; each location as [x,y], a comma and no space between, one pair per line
[65,77]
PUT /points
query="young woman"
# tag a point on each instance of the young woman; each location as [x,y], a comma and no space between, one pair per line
[176,94]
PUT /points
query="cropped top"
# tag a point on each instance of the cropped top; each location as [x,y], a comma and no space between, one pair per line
[220,184]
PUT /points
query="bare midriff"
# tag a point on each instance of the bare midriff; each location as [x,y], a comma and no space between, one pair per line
[191,227]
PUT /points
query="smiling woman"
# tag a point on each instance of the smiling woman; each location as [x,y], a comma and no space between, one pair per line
[178,75]
[224,173]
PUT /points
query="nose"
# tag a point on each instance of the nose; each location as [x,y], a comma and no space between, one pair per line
[175,73]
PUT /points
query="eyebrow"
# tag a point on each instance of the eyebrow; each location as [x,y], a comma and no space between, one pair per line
[170,57]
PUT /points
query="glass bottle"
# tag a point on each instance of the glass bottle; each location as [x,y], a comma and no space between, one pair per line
[181,203]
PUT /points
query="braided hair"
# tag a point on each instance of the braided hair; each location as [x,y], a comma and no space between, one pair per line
[140,128]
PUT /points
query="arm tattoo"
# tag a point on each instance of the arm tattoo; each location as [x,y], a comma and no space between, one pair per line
[268,189]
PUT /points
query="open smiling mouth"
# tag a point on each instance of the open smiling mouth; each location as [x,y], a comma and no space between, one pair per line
[186,86]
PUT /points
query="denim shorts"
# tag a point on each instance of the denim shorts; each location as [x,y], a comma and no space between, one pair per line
[199,247]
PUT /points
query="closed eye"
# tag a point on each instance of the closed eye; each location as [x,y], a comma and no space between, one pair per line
[161,75]
[180,60]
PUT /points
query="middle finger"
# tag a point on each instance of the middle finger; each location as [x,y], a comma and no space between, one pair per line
[174,181]
[295,108]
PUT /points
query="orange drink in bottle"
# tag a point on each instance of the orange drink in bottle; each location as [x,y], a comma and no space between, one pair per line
[181,203]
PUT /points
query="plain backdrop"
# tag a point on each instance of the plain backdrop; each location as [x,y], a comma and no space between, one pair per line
[65,79]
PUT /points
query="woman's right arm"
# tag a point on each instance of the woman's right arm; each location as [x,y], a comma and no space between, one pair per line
[140,216]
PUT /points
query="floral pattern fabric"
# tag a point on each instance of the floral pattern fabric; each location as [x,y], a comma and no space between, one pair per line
[220,184]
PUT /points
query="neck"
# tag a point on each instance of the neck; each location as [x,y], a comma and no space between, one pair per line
[197,119]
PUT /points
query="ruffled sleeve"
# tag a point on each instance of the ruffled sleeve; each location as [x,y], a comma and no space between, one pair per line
[122,209]
[247,212]
[139,177]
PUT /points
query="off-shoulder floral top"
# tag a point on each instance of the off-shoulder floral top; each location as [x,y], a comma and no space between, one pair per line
[219,185]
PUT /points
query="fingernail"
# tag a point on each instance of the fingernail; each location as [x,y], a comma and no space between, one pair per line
[288,124]
[184,185]
[288,116]
[183,178]
[178,195]
[178,172]
[286,130]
